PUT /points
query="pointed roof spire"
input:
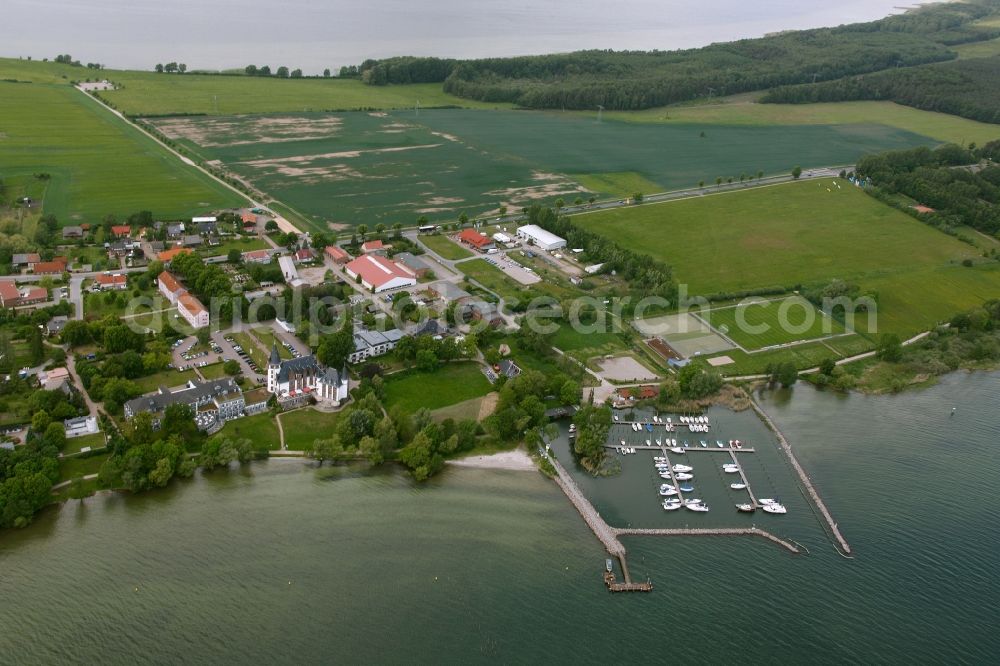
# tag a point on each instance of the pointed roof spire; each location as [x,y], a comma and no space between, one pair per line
[275,357]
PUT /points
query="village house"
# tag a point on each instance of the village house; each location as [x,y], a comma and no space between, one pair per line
[304,255]
[114,282]
[257,257]
[337,254]
[55,267]
[72,232]
[121,231]
[418,266]
[168,255]
[55,325]
[24,260]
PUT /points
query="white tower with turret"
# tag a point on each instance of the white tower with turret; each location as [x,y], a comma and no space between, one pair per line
[273,367]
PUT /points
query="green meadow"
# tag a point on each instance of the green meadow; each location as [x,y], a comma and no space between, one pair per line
[765,323]
[450,384]
[96,163]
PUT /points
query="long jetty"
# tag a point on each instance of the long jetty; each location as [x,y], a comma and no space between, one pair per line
[690,449]
[806,483]
[604,532]
[746,482]
[721,531]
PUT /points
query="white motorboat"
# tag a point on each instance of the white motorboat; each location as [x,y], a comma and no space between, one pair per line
[766,501]
[681,468]
[623,442]
[649,443]
[731,469]
[668,492]
[616,417]
[692,501]
[665,476]
[684,476]
[676,449]
[699,508]
[659,442]
[745,508]
[704,443]
[738,486]
[774,507]
[671,506]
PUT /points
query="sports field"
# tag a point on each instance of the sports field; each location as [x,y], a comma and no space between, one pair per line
[344,169]
[98,164]
[784,235]
[766,323]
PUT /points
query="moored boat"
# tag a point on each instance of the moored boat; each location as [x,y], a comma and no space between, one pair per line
[683,476]
[774,507]
[745,508]
[738,486]
[699,508]
[681,468]
[686,488]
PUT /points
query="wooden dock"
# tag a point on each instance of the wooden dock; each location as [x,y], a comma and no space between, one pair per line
[721,531]
[806,483]
[743,476]
[690,449]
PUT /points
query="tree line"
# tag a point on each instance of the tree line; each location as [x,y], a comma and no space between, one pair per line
[936,179]
[967,88]
[628,80]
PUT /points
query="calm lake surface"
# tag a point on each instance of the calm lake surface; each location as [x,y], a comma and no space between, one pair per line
[314,34]
[280,564]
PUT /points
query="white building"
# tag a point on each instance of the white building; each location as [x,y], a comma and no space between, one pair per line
[192,310]
[295,380]
[368,344]
[541,237]
[502,238]
[379,273]
[169,286]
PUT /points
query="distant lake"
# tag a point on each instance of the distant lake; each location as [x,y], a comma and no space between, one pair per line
[315,34]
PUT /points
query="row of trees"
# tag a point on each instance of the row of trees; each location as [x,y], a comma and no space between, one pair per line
[171,68]
[281,72]
[967,88]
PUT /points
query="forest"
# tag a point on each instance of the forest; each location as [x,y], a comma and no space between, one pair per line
[629,80]
[942,180]
[967,88]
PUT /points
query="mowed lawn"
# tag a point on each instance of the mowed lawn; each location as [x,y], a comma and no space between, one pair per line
[261,429]
[444,246]
[98,164]
[303,426]
[450,384]
[778,236]
[765,323]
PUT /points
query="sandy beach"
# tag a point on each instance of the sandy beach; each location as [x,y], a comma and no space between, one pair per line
[516,460]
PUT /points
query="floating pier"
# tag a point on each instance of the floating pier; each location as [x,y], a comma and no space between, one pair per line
[690,449]
[806,483]
[743,476]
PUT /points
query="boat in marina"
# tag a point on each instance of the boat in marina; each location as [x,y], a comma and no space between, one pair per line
[719,443]
[615,416]
[704,444]
[686,488]
[739,444]
[671,505]
[649,443]
[699,508]
[766,501]
[676,449]
[684,476]
[666,490]
[746,508]
[649,427]
[692,501]
[608,564]
[731,469]
[681,468]
[774,507]
[738,486]
[659,442]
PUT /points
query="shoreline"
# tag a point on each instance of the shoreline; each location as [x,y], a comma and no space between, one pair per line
[516,460]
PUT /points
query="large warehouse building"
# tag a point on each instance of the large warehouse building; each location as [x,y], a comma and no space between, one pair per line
[380,274]
[541,237]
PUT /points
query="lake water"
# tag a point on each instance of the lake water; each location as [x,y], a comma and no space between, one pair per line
[314,34]
[279,564]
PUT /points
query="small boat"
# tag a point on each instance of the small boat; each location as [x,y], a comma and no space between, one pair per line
[669,505]
[766,501]
[739,444]
[686,488]
[692,501]
[685,444]
[681,468]
[572,427]
[656,419]
[684,476]
[608,564]
[667,492]
[665,476]
[745,508]
[774,507]
[649,443]
[738,486]
[676,449]
[659,442]
[704,443]
[649,427]
[700,508]
[719,443]
[616,418]
[669,420]
[731,469]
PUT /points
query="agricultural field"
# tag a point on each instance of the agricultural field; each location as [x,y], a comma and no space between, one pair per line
[783,235]
[742,110]
[766,323]
[450,384]
[341,169]
[444,246]
[96,163]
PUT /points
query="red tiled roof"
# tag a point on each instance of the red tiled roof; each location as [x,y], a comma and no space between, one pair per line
[372,245]
[376,270]
[106,280]
[8,291]
[36,294]
[121,230]
[256,254]
[190,303]
[304,253]
[168,255]
[249,218]
[337,253]
[474,238]
[48,267]
[170,282]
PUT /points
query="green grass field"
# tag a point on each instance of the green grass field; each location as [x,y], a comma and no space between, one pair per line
[978,49]
[349,168]
[303,426]
[168,378]
[213,371]
[767,323]
[267,340]
[777,236]
[452,383]
[144,93]
[97,163]
[261,429]
[444,246]
[745,112]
